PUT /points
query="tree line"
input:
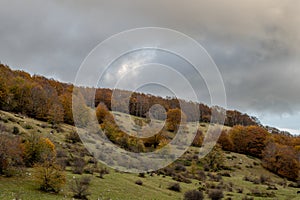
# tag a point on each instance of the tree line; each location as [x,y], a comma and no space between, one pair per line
[50,100]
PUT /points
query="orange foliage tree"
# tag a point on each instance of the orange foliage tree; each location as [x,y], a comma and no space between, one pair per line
[225,141]
[249,140]
[37,149]
[174,118]
[282,160]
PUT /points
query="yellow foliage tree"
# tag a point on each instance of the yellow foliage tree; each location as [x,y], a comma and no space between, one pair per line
[174,118]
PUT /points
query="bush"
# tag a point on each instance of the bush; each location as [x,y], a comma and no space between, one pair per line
[10,155]
[247,198]
[201,176]
[239,190]
[16,130]
[215,194]
[102,172]
[73,137]
[180,167]
[80,187]
[264,179]
[225,174]
[213,161]
[193,195]
[174,119]
[257,193]
[139,182]
[27,126]
[78,165]
[214,177]
[175,187]
[49,176]
[181,178]
[38,150]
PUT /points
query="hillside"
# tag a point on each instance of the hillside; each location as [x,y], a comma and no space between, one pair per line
[242,175]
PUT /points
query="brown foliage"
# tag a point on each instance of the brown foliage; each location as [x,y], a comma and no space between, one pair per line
[10,154]
[250,140]
[80,187]
[103,113]
[37,149]
[225,141]
[49,176]
[198,140]
[282,159]
[174,119]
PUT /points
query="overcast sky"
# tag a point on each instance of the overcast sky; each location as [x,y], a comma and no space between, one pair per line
[254,43]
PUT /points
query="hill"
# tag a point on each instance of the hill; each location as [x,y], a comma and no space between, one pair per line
[241,175]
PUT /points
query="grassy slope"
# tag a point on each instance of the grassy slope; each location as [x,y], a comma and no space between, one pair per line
[122,185]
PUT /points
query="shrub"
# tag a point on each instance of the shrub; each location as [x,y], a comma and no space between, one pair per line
[38,150]
[180,167]
[201,176]
[78,165]
[102,172]
[73,137]
[27,126]
[198,140]
[239,190]
[102,113]
[16,130]
[49,176]
[10,155]
[225,141]
[214,161]
[257,193]
[215,177]
[247,198]
[215,194]
[174,119]
[264,179]
[293,185]
[193,195]
[225,174]
[139,182]
[181,178]
[80,187]
[175,187]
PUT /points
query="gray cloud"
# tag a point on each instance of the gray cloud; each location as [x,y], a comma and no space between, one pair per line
[254,43]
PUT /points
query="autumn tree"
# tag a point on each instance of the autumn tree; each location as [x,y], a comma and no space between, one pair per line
[56,113]
[50,176]
[10,154]
[103,113]
[3,92]
[214,160]
[249,140]
[282,160]
[37,149]
[66,102]
[174,119]
[198,140]
[80,187]
[225,141]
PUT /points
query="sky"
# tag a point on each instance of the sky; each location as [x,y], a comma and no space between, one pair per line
[254,43]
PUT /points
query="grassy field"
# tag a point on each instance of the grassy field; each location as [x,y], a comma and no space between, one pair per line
[117,185]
